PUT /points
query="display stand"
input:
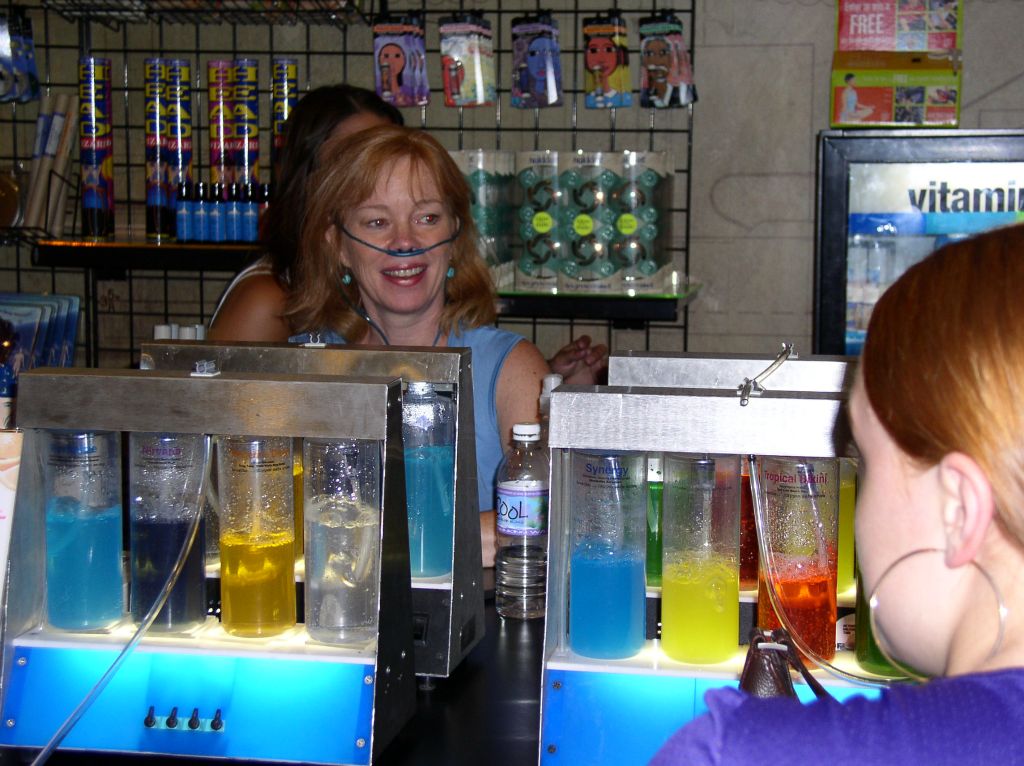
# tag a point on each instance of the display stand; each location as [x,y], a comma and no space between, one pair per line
[206,693]
[448,611]
[638,702]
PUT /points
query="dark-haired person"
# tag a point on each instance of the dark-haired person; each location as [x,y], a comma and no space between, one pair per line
[253,304]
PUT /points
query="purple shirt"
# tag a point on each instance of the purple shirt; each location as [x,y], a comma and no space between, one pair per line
[960,721]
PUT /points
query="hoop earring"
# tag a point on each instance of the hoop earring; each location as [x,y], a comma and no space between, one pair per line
[450,273]
[1001,608]
[346,278]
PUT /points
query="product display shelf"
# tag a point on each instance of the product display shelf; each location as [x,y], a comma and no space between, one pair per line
[313,12]
[618,308]
[122,256]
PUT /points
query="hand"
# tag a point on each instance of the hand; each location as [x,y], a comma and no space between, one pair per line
[580,362]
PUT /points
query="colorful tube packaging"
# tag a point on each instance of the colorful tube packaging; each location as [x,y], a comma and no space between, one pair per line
[284,92]
[96,147]
[220,97]
[246,142]
[179,123]
[159,216]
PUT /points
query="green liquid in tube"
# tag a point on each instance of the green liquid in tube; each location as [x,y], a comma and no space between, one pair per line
[868,655]
[847,501]
[655,488]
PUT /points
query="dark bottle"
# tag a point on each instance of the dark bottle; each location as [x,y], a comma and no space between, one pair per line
[233,213]
[250,213]
[266,193]
[97,222]
[200,209]
[183,213]
[216,214]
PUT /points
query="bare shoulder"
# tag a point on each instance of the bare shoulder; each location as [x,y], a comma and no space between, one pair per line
[525,360]
[519,387]
[253,310]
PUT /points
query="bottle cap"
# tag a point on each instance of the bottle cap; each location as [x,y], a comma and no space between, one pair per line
[419,387]
[551,382]
[526,432]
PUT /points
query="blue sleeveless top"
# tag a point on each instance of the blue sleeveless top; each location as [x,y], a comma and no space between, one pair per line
[490,347]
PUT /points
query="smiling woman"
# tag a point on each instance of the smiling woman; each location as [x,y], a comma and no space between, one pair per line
[388,257]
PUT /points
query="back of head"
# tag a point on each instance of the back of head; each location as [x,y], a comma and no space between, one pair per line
[944,356]
[309,126]
[350,169]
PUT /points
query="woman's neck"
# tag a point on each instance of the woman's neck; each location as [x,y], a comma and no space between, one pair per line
[405,330]
[973,648]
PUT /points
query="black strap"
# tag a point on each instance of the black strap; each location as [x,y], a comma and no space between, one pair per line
[781,636]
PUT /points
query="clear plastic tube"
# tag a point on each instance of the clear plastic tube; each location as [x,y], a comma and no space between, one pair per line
[147,621]
[772,577]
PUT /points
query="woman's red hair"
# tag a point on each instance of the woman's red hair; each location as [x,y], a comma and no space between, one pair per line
[943,364]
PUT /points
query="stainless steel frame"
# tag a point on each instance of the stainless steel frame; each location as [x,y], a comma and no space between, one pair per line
[272,405]
[447,623]
[677,403]
[728,371]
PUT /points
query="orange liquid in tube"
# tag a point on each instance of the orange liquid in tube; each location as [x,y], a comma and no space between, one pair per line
[810,603]
[748,534]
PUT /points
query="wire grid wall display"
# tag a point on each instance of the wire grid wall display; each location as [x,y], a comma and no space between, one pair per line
[329,49]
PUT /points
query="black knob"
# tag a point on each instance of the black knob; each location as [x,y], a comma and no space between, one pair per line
[150,720]
[193,722]
[217,723]
[172,719]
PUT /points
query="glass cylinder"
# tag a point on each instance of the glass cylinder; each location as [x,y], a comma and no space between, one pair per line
[847,503]
[84,576]
[801,506]
[607,560]
[257,535]
[428,433]
[165,475]
[655,491]
[700,571]
[868,655]
[748,533]
[341,487]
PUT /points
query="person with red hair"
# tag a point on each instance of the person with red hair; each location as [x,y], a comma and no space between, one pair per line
[937,416]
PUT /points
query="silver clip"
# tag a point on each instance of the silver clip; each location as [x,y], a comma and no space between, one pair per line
[753,387]
[205,368]
[314,341]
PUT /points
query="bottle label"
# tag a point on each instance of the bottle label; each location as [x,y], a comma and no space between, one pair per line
[522,508]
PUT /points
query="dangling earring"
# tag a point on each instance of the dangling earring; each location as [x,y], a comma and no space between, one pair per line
[346,278]
[1002,609]
[450,273]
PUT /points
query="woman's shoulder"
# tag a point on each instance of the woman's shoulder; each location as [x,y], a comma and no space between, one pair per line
[947,721]
[252,309]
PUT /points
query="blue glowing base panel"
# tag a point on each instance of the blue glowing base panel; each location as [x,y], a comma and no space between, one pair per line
[277,708]
[623,718]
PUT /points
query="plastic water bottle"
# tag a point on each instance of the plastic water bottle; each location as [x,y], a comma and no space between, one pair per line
[522,520]
[428,430]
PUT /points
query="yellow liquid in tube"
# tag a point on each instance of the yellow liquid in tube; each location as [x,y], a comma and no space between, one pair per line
[845,575]
[700,613]
[257,584]
[298,493]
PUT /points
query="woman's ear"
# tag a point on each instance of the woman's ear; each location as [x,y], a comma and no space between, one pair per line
[967,506]
[334,242]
